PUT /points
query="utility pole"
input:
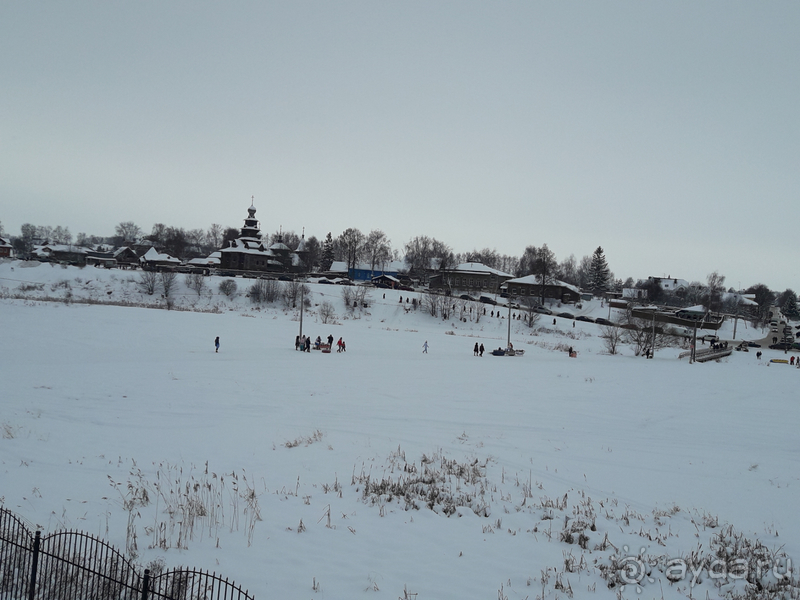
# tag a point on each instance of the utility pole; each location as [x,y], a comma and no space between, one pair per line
[508,344]
[653,350]
[302,304]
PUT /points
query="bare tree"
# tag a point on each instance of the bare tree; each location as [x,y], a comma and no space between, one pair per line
[612,337]
[148,281]
[433,304]
[61,235]
[643,335]
[195,241]
[377,249]
[44,233]
[539,261]
[158,235]
[327,314]
[532,317]
[361,295]
[584,272]
[419,251]
[168,279]
[196,282]
[568,270]
[264,290]
[228,287]
[487,256]
[214,236]
[351,242]
[712,298]
[128,231]
[291,292]
[347,295]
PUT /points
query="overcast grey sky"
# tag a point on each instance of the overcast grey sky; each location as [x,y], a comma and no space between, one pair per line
[665,132]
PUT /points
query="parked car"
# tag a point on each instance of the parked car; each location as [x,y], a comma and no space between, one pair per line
[781,346]
[585,319]
[710,338]
[565,315]
[487,300]
[753,345]
[543,310]
[466,297]
[602,321]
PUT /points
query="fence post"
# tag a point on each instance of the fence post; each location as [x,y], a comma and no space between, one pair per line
[34,565]
[146,584]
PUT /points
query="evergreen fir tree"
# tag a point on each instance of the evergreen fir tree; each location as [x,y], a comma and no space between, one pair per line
[600,274]
[327,253]
[790,306]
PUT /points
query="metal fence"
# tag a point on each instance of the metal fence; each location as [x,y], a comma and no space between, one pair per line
[73,565]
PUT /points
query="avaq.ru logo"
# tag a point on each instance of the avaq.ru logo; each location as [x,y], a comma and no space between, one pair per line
[634,570]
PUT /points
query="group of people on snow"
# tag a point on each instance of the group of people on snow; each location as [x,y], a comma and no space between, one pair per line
[303,343]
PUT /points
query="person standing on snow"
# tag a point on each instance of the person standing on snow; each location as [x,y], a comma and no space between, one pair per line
[475,350]
[481,350]
[216,344]
[425,347]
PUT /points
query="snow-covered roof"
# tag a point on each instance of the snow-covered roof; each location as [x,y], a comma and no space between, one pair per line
[474,267]
[119,251]
[280,246]
[242,249]
[153,255]
[46,249]
[389,277]
[537,279]
[670,284]
[209,261]
[741,298]
[394,266]
[5,243]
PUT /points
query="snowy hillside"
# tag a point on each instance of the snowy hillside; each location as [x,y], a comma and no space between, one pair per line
[383,472]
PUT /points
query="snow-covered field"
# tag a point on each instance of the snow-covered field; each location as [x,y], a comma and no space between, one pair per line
[384,472]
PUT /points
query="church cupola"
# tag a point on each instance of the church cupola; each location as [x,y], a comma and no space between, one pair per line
[251,230]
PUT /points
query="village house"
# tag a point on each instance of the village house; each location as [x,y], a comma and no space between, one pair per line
[365,272]
[634,293]
[61,253]
[531,286]
[6,249]
[671,285]
[469,277]
[153,260]
[126,257]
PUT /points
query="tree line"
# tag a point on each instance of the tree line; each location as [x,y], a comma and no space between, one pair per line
[422,255]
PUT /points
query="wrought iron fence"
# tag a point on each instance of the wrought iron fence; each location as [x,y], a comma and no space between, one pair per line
[73,565]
